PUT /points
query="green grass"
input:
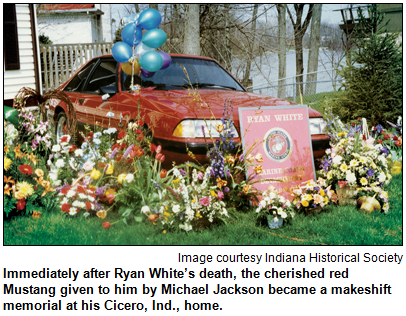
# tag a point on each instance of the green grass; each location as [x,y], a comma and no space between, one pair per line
[337,225]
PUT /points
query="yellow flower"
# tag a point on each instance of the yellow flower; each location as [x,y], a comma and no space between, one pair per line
[258,169]
[364,181]
[230,159]
[7,189]
[25,189]
[363,159]
[221,183]
[7,163]
[307,197]
[343,167]
[109,191]
[17,152]
[39,172]
[213,193]
[121,177]
[329,175]
[6,149]
[164,231]
[305,203]
[246,188]
[95,174]
[373,165]
[325,201]
[198,215]
[110,169]
[101,214]
[166,214]
[322,192]
[219,128]
[36,214]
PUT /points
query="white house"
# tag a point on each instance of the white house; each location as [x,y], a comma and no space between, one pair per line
[75,23]
[20,48]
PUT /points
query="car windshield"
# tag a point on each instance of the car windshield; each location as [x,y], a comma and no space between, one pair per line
[204,74]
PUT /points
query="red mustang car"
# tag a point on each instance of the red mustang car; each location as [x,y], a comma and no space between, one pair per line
[166,106]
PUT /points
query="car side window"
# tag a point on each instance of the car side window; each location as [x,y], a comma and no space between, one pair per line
[103,76]
[77,83]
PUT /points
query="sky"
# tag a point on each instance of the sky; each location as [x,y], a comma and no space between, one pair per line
[327,16]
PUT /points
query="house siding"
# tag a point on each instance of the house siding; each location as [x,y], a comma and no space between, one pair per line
[14,80]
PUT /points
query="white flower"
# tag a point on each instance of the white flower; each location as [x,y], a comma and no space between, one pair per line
[145,209]
[381,177]
[337,160]
[283,214]
[60,163]
[83,196]
[53,176]
[110,131]
[56,148]
[96,141]
[88,165]
[78,152]
[350,177]
[72,211]
[129,178]
[176,208]
[70,193]
[57,183]
[97,135]
[110,114]
[86,214]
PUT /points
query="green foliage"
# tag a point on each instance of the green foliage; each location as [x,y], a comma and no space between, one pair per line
[43,39]
[372,76]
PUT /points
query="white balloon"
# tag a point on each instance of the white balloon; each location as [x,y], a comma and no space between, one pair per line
[141,49]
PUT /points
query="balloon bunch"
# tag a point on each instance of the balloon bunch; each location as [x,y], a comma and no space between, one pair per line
[137,52]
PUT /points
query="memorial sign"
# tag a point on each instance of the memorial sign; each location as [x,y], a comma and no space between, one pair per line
[281,135]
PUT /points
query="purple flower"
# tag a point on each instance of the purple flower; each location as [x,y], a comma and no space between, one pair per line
[113,154]
[204,134]
[370,173]
[391,124]
[100,190]
[241,158]
[379,128]
[226,189]
[182,172]
[228,173]
[127,152]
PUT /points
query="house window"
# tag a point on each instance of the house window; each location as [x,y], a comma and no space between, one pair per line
[10,37]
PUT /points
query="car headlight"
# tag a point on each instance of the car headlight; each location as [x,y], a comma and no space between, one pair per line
[317,125]
[196,128]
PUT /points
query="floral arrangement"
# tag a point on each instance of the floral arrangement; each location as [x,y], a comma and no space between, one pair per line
[26,187]
[390,138]
[188,202]
[274,207]
[353,158]
[312,196]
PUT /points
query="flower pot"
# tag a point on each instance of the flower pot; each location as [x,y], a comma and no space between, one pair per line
[347,196]
[273,224]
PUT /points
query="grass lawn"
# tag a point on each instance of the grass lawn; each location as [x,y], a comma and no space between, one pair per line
[315,101]
[337,225]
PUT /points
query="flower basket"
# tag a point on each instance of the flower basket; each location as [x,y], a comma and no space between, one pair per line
[313,210]
[347,195]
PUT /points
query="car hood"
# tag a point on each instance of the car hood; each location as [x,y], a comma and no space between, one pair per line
[183,103]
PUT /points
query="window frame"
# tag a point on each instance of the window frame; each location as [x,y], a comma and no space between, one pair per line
[8,48]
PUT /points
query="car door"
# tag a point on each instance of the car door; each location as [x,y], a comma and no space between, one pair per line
[93,108]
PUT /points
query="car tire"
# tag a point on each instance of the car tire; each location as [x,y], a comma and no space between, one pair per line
[61,125]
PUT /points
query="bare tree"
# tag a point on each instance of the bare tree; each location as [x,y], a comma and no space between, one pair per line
[153,6]
[191,43]
[299,32]
[247,71]
[281,50]
[313,61]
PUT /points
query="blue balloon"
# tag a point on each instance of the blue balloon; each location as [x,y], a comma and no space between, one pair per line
[131,34]
[154,38]
[151,61]
[121,52]
[149,19]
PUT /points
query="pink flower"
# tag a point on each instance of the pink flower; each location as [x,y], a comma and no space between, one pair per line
[342,184]
[220,195]
[200,176]
[205,201]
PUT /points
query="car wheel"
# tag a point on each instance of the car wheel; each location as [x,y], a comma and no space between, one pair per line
[61,125]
